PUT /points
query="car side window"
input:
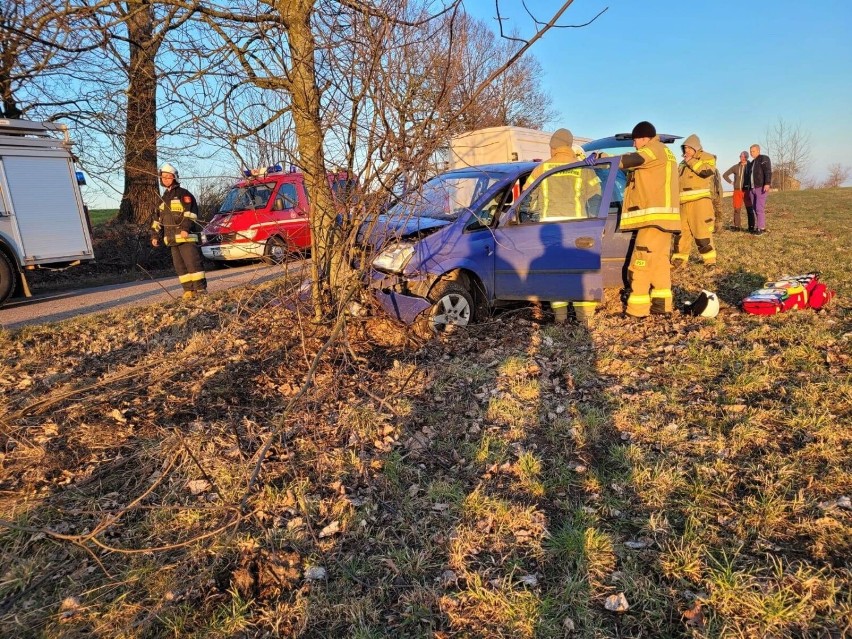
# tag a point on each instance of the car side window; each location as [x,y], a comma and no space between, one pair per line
[287,196]
[484,217]
[569,194]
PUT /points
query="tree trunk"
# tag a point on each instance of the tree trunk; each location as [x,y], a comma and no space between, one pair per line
[308,125]
[141,185]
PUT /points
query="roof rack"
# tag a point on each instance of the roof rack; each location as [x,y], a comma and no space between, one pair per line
[28,133]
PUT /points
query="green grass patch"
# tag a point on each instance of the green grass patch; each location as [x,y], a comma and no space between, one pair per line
[102,216]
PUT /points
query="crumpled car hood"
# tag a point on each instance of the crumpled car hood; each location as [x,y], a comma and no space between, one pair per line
[385,229]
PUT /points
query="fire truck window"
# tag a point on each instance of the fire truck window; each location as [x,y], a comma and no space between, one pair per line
[287,196]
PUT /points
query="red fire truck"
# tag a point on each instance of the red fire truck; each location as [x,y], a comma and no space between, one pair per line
[266,215]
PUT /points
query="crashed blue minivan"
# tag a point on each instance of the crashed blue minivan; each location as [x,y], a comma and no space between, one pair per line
[474,237]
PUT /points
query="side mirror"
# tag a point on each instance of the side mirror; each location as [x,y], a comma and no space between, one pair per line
[81,178]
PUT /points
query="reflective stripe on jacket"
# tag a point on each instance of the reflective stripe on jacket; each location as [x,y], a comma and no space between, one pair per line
[178,211]
[651,198]
[692,185]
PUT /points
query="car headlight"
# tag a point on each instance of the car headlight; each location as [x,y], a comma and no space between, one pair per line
[394,258]
[248,234]
[204,238]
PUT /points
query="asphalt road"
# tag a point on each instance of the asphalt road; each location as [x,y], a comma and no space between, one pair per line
[53,307]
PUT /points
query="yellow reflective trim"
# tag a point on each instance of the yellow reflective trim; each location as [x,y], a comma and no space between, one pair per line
[669,184]
[658,293]
[586,304]
[176,206]
[156,225]
[647,152]
[639,299]
[653,214]
[195,277]
[558,304]
[183,279]
[680,256]
[190,238]
[190,215]
[693,195]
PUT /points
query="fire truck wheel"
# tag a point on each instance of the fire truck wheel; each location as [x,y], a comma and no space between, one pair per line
[276,250]
[7,278]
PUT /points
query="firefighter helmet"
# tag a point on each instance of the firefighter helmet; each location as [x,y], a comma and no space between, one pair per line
[705,305]
[169,168]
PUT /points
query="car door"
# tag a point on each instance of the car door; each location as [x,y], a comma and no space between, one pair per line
[548,247]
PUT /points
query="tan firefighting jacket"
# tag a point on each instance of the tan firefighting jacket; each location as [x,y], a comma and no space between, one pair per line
[564,194]
[696,176]
[651,198]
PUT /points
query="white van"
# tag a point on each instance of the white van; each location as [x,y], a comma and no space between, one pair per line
[43,222]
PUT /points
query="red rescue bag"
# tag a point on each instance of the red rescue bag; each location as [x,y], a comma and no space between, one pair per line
[789,292]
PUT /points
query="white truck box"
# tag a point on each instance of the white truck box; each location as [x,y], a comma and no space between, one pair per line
[43,222]
[501,144]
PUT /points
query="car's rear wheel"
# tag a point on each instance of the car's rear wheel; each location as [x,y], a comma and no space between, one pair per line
[276,250]
[452,307]
[8,278]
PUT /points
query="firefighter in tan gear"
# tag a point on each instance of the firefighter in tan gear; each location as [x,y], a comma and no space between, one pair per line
[652,209]
[697,217]
[561,196]
[175,220]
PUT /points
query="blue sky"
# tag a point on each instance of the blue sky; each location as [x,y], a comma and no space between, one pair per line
[723,69]
[726,70]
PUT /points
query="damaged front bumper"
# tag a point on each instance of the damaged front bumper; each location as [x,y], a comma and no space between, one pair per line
[398,297]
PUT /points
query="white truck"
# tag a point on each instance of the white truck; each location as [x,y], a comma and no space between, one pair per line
[43,222]
[501,144]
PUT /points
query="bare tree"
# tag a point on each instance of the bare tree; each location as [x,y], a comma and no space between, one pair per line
[37,48]
[370,83]
[789,149]
[513,98]
[837,175]
[134,33]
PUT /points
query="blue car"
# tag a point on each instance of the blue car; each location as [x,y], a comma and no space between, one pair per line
[474,237]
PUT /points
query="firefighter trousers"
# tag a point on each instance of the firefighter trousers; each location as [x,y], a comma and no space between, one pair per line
[187,260]
[696,221]
[649,273]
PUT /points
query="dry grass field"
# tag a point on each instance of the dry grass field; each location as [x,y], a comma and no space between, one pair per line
[166,471]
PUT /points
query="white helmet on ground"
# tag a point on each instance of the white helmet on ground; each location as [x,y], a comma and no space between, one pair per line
[705,305]
[169,168]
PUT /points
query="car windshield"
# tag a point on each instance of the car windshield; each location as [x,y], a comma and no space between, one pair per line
[445,197]
[253,196]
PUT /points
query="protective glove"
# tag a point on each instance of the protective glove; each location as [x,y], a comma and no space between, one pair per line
[591,158]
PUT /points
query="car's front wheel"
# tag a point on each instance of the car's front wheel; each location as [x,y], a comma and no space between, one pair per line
[452,307]
[276,250]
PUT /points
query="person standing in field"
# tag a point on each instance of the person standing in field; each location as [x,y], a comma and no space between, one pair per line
[175,220]
[735,176]
[652,208]
[697,217]
[757,182]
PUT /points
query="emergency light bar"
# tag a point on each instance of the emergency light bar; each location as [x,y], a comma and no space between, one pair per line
[260,172]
